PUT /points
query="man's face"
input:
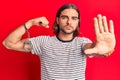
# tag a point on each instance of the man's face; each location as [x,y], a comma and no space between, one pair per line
[68,21]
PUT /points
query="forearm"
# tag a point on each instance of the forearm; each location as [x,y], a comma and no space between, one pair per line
[90,49]
[89,45]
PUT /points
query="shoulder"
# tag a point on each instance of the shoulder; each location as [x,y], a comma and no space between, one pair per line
[83,39]
[42,38]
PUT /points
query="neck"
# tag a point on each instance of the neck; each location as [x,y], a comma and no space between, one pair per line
[65,37]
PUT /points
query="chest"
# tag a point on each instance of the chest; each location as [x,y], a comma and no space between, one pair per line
[62,51]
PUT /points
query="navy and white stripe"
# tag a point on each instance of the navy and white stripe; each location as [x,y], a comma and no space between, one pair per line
[60,60]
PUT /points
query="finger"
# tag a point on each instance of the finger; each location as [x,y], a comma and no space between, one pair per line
[96,27]
[47,26]
[105,24]
[111,26]
[100,23]
[106,54]
[44,24]
[90,51]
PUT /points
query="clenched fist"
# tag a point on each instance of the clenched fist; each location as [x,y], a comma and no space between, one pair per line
[41,21]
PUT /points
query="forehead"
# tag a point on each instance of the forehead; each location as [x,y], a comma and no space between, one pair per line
[69,12]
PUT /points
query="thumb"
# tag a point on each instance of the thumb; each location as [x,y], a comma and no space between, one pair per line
[90,51]
[47,26]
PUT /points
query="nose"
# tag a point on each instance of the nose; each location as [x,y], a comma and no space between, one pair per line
[69,21]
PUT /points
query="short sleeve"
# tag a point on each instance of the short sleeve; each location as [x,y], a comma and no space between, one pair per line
[37,43]
[85,41]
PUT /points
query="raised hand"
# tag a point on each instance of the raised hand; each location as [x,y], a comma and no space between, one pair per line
[105,37]
[41,21]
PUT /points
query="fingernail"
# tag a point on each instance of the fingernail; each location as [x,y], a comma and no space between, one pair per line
[104,16]
[99,15]
[111,20]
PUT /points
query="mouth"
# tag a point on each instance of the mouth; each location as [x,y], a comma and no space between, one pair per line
[68,27]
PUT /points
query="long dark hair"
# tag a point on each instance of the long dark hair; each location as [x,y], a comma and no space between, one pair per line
[66,6]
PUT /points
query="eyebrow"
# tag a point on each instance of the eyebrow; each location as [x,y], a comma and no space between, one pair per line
[67,16]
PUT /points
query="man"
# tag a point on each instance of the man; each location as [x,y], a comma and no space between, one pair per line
[63,57]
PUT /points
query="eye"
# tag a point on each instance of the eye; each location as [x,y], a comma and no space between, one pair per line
[64,17]
[74,18]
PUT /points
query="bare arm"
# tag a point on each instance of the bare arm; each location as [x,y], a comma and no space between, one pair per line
[14,40]
[105,38]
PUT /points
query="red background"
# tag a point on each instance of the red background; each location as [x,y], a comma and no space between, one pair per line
[25,66]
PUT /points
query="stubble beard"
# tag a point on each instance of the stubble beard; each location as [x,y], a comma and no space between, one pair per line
[67,33]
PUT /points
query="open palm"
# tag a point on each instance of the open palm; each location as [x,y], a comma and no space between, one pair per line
[105,38]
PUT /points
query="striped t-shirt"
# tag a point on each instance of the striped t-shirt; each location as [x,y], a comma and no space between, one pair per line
[60,60]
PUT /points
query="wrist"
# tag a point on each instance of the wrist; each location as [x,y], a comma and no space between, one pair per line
[28,24]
